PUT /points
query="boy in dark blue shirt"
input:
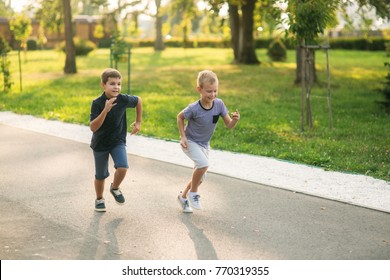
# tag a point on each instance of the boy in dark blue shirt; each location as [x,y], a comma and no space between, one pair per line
[109,127]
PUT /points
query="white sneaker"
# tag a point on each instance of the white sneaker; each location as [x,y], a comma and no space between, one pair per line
[194,199]
[184,204]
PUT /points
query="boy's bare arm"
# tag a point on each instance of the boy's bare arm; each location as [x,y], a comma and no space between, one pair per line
[138,119]
[231,122]
[95,124]
[180,124]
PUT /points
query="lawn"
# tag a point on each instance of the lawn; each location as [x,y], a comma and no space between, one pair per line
[265,95]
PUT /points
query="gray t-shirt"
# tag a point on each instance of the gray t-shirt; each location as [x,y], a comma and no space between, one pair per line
[202,122]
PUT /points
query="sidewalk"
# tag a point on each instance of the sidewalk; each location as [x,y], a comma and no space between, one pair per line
[353,189]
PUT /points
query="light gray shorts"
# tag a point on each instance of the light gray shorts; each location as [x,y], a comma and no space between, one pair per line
[199,154]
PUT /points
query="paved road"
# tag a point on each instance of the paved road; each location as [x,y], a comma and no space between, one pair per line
[47,200]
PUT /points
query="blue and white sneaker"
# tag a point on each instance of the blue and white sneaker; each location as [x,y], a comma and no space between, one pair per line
[117,194]
[100,205]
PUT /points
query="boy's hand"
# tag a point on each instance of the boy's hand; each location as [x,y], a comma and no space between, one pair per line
[136,127]
[184,142]
[109,104]
[236,115]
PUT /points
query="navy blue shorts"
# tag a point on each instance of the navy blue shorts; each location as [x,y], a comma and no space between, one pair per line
[119,156]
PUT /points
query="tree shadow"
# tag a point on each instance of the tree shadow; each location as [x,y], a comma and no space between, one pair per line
[203,246]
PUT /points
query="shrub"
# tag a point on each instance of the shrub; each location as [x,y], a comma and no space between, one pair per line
[386,88]
[277,51]
[32,45]
[5,64]
[4,47]
[104,43]
[83,47]
[368,44]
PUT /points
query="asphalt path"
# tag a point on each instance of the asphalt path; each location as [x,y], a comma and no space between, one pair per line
[47,212]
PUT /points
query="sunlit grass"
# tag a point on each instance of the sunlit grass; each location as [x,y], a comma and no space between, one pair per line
[265,95]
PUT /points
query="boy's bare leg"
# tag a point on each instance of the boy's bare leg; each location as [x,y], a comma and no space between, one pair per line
[119,175]
[186,190]
[195,182]
[99,188]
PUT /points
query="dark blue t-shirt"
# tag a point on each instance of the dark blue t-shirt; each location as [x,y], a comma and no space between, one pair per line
[114,128]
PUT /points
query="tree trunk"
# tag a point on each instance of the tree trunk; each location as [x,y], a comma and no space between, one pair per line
[234,21]
[159,43]
[301,56]
[312,68]
[247,51]
[70,61]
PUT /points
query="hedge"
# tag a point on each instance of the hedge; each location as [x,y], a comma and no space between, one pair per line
[369,44]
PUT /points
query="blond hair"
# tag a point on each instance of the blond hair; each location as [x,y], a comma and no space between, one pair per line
[110,73]
[206,76]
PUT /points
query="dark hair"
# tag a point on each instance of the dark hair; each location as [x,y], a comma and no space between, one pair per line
[110,73]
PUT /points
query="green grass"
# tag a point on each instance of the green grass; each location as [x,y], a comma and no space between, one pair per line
[268,101]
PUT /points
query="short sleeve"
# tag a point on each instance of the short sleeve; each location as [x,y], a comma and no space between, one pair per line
[188,112]
[131,100]
[224,110]
[95,111]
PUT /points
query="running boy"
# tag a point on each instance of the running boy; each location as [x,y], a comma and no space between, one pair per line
[109,127]
[202,117]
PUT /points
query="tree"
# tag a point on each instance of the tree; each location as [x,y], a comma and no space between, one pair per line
[5,10]
[246,47]
[21,27]
[159,42]
[185,11]
[382,7]
[241,15]
[241,21]
[51,16]
[112,18]
[308,19]
[70,61]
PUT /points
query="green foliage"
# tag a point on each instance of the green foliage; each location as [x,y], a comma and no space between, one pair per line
[21,27]
[32,45]
[4,46]
[277,50]
[265,96]
[119,48]
[83,47]
[51,15]
[6,73]
[5,64]
[309,18]
[99,31]
[369,44]
[178,43]
[386,87]
[387,46]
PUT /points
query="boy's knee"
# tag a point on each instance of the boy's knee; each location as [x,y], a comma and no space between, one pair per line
[203,169]
[101,177]
[122,169]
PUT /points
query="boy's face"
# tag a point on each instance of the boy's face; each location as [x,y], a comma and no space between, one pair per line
[209,91]
[113,87]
